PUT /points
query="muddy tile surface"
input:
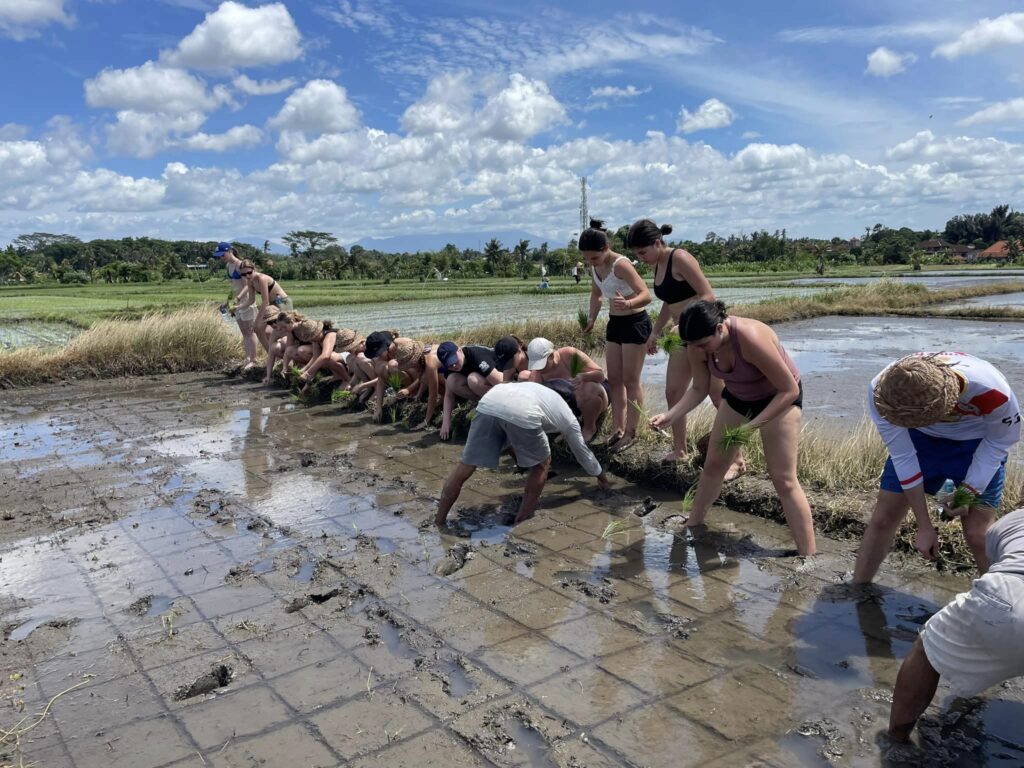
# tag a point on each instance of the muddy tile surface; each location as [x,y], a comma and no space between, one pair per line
[195,571]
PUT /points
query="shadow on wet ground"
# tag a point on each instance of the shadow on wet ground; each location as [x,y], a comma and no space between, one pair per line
[197,573]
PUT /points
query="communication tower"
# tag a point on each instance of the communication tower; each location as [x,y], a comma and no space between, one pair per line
[584,213]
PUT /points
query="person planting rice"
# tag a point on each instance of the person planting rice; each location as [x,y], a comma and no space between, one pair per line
[518,416]
[322,336]
[278,334]
[762,391]
[510,358]
[245,315]
[574,376]
[678,282]
[269,292]
[629,327]
[360,368]
[469,374]
[975,642]
[944,415]
[410,367]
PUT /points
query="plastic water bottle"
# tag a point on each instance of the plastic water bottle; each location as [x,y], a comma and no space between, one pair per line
[944,498]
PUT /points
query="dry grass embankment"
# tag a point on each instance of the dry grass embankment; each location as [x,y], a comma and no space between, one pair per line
[187,340]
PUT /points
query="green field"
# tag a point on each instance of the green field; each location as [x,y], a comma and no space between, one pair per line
[83,305]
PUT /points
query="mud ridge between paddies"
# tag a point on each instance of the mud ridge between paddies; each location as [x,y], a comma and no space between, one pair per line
[198,339]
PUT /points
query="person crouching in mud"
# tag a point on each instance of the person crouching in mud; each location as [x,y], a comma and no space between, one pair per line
[518,416]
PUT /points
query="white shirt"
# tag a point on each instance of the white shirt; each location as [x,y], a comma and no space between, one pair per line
[530,405]
[987,409]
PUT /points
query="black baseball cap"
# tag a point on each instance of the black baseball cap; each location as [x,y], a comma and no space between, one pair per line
[505,352]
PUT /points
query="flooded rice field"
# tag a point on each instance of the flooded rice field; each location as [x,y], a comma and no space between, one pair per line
[950,279]
[35,334]
[194,572]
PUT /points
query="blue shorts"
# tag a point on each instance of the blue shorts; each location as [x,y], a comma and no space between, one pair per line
[940,459]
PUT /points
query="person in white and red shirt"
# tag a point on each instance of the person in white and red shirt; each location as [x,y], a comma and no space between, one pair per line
[942,415]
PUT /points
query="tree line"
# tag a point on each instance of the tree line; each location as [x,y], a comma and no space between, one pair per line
[316,255]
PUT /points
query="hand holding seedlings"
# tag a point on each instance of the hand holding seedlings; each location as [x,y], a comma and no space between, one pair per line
[737,437]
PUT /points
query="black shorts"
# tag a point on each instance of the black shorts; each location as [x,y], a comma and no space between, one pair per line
[629,329]
[751,408]
[564,388]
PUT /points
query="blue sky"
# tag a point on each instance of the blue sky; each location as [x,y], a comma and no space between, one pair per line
[196,119]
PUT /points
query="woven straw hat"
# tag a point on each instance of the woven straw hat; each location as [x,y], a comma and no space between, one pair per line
[344,338]
[308,330]
[272,314]
[916,391]
[408,352]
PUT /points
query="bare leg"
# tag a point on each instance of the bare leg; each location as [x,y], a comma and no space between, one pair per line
[591,400]
[248,341]
[976,524]
[534,485]
[613,359]
[633,356]
[677,381]
[478,385]
[915,688]
[890,509]
[452,488]
[715,466]
[780,437]
[739,466]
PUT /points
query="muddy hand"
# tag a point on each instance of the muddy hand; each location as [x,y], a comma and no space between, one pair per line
[926,541]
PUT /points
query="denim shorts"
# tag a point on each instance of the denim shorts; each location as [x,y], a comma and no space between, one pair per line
[940,459]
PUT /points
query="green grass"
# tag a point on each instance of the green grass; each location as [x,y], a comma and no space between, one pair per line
[737,437]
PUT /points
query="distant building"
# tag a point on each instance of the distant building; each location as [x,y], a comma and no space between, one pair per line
[197,266]
[998,251]
[934,246]
[963,252]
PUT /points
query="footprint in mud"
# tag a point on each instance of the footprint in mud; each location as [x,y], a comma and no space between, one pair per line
[454,560]
[218,677]
[592,586]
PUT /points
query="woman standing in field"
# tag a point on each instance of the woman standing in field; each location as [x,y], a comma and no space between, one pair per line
[267,289]
[678,282]
[762,391]
[629,327]
[245,315]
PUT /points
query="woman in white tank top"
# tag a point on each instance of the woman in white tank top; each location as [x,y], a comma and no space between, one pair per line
[615,279]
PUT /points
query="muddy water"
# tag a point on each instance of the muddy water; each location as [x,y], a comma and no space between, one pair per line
[234,581]
[14,335]
[929,279]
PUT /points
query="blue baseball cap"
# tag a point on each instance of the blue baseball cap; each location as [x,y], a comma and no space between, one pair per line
[223,248]
[448,354]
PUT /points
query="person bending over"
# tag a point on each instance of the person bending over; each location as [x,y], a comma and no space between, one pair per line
[323,337]
[943,415]
[976,641]
[574,375]
[269,291]
[469,373]
[510,358]
[518,416]
[762,391]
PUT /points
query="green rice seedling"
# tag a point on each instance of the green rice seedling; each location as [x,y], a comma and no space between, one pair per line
[575,365]
[342,397]
[295,372]
[583,318]
[686,505]
[394,381]
[737,437]
[962,498]
[614,528]
[670,342]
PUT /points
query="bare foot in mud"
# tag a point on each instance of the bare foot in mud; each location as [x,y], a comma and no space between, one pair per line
[675,456]
[738,469]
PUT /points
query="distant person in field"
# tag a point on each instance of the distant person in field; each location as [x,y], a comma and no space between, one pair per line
[519,417]
[629,327]
[268,290]
[762,392]
[574,376]
[469,373]
[576,269]
[943,415]
[245,314]
[977,641]
[678,282]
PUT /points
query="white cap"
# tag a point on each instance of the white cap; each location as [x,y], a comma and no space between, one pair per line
[537,352]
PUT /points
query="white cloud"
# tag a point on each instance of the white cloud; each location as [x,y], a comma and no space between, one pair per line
[238,137]
[926,30]
[710,115]
[21,19]
[616,92]
[521,110]
[748,135]
[152,88]
[144,134]
[320,106]
[883,62]
[13,131]
[236,36]
[446,106]
[358,15]
[1007,29]
[1001,112]
[262,87]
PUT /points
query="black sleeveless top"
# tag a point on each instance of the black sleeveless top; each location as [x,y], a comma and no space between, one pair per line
[671,290]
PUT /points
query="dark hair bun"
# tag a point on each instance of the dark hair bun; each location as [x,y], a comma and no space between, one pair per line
[328,326]
[666,229]
[597,224]
[721,308]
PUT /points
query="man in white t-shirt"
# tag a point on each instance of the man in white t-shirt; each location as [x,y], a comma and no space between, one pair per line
[518,416]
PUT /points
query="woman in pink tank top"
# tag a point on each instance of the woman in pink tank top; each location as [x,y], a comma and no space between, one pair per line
[762,390]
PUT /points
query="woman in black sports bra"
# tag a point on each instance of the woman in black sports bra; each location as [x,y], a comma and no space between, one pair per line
[678,282]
